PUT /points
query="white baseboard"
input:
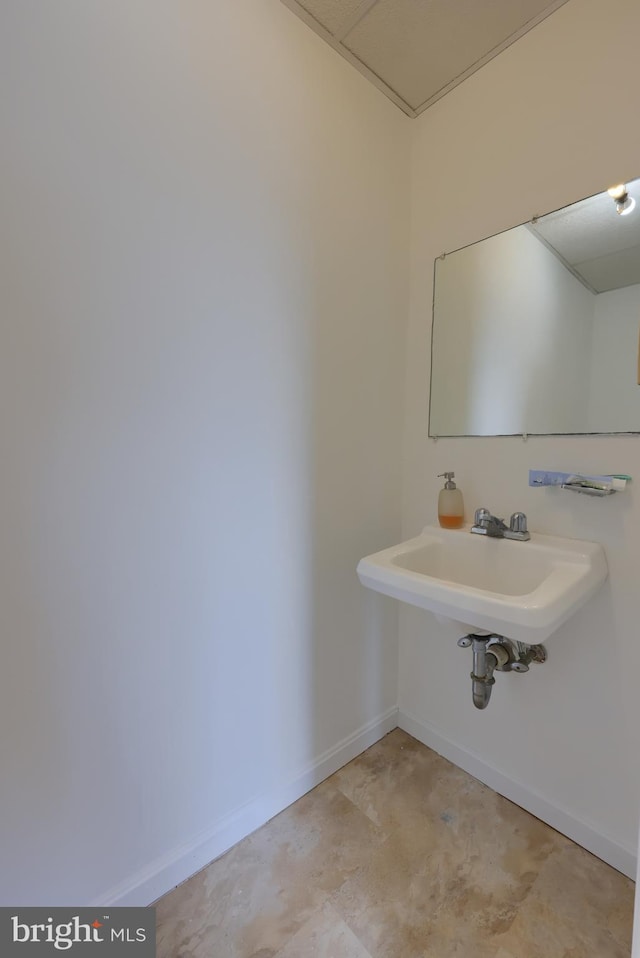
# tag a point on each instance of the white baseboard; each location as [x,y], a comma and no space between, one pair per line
[602,846]
[163,874]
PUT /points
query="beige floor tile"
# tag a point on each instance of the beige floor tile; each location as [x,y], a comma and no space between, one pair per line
[248,903]
[410,791]
[324,936]
[414,907]
[400,855]
[397,775]
[458,861]
[578,907]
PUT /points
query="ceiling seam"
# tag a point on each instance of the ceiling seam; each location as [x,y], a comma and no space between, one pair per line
[350,57]
[359,13]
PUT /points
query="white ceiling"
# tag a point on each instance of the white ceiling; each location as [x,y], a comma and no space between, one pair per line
[600,247]
[415,51]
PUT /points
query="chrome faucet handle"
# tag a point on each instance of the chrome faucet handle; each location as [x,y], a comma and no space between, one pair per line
[518,527]
[518,522]
[486,524]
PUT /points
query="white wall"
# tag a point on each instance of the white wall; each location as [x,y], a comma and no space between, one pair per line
[512,340]
[542,125]
[204,236]
[204,242]
[614,393]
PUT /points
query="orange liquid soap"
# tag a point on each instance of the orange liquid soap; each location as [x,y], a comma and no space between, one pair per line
[451,522]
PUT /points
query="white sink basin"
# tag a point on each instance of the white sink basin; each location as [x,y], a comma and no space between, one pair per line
[524,590]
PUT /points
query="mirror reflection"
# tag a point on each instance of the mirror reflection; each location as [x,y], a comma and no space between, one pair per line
[535,330]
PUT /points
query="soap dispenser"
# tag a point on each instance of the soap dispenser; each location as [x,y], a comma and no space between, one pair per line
[450,504]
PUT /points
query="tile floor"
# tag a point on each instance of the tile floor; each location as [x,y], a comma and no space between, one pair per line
[400,855]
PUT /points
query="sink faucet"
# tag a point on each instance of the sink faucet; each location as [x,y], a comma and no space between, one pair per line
[484,524]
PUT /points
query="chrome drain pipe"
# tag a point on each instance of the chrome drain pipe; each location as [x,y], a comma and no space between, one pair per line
[484,665]
[482,680]
[491,652]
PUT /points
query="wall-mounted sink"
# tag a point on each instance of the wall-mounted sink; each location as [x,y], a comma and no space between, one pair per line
[524,590]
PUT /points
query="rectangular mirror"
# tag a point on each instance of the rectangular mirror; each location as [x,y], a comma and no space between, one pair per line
[535,330]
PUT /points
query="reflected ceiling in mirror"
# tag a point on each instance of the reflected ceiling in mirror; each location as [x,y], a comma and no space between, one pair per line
[535,330]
